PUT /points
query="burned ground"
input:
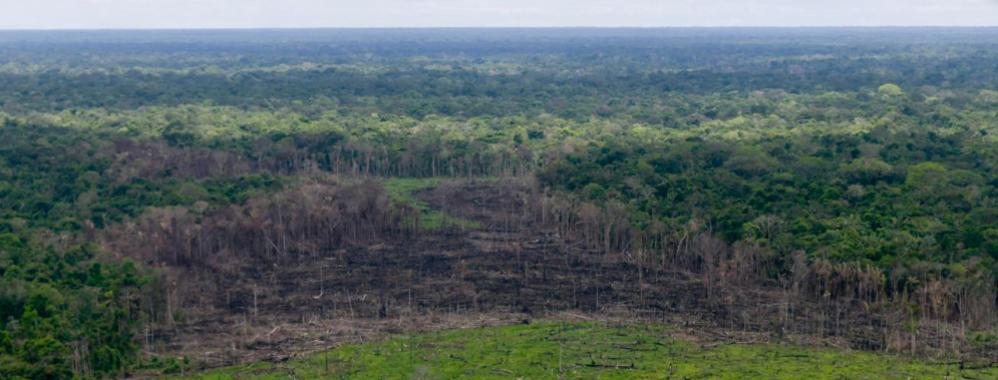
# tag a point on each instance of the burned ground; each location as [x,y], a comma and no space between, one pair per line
[511,268]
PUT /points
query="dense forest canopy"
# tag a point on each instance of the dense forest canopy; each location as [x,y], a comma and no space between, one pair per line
[872,150]
[508,70]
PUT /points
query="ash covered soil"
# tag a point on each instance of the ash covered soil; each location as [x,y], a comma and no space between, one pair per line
[508,269]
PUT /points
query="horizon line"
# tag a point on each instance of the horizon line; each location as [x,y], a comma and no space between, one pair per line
[238,28]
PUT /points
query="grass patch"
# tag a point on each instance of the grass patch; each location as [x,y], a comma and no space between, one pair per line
[403,191]
[584,351]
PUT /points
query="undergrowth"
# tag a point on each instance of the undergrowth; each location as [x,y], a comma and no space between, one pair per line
[585,351]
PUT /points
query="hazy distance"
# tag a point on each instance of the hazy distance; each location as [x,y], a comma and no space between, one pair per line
[158,14]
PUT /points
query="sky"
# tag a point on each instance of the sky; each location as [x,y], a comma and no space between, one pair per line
[159,14]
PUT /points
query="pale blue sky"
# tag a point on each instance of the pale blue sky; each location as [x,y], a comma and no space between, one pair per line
[88,14]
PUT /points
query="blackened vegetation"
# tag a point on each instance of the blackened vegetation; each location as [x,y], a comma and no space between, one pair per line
[228,195]
[296,262]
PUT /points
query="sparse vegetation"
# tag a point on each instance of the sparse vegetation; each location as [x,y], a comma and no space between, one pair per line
[171,201]
[402,192]
[584,351]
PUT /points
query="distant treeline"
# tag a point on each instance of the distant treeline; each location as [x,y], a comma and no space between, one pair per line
[857,163]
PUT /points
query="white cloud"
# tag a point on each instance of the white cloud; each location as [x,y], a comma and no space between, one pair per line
[15,14]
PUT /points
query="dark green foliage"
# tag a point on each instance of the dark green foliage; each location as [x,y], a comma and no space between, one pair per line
[61,311]
[884,209]
[65,180]
[871,146]
[65,312]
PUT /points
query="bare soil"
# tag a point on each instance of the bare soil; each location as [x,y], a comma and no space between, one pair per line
[509,270]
